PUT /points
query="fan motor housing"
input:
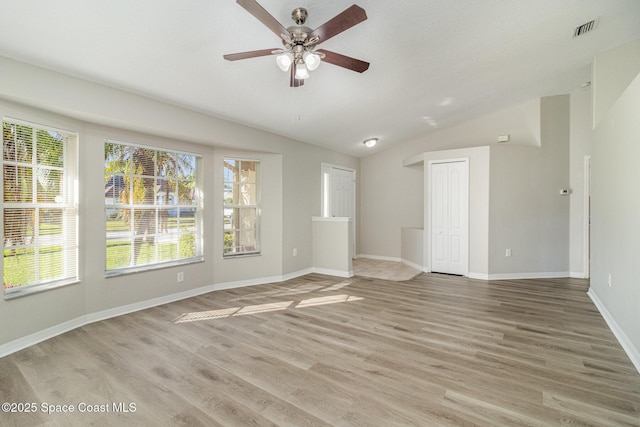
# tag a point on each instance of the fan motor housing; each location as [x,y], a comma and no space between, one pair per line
[299,15]
[299,33]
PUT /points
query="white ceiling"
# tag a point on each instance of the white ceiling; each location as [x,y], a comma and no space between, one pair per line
[434,63]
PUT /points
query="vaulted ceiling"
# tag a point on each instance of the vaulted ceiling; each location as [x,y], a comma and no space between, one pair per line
[433,63]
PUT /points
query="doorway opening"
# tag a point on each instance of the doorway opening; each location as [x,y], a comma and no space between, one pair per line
[586,231]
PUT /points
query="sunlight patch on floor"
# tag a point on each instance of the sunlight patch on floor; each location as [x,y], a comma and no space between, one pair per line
[198,316]
[327,300]
[297,289]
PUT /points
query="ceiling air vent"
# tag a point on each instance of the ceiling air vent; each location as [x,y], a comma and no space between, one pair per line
[585,28]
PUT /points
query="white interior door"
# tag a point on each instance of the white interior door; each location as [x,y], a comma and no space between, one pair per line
[449,217]
[342,193]
[339,194]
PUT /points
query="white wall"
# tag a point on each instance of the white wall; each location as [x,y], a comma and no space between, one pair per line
[615,201]
[393,195]
[302,189]
[611,75]
[390,198]
[515,200]
[527,213]
[413,247]
[333,246]
[290,195]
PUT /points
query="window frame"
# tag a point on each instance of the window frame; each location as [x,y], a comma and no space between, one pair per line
[68,206]
[257,251]
[131,205]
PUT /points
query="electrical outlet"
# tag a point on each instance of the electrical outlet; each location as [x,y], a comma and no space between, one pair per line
[609,280]
[295,251]
[180,276]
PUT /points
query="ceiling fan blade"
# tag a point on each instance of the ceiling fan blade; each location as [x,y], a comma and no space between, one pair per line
[344,61]
[339,23]
[263,16]
[293,82]
[250,54]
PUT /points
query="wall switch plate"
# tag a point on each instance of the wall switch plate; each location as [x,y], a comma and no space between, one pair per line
[295,251]
[507,252]
[180,277]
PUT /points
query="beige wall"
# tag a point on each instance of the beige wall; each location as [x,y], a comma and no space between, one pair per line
[393,194]
[515,200]
[302,187]
[527,213]
[615,201]
[290,195]
[333,246]
[612,72]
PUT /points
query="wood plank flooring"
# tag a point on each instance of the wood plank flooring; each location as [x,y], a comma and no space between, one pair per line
[385,270]
[318,350]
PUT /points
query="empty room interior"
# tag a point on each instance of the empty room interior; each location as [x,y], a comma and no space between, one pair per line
[320,213]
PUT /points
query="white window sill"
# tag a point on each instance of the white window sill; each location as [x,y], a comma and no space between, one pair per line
[152,267]
[17,292]
[247,255]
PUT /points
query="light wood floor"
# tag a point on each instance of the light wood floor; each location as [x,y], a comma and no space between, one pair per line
[385,270]
[435,350]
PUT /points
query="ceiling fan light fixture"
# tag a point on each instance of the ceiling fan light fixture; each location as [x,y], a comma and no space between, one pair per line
[370,143]
[299,42]
[312,60]
[301,71]
[284,61]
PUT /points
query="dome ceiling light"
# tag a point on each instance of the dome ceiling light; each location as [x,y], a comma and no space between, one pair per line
[370,143]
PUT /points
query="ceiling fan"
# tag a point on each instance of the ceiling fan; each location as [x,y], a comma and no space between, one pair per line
[299,54]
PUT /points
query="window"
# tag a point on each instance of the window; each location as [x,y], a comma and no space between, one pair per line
[39,207]
[241,207]
[152,208]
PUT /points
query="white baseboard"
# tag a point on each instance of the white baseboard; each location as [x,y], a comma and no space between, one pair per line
[329,272]
[143,305]
[298,273]
[412,264]
[392,259]
[516,276]
[578,275]
[622,338]
[379,258]
[45,334]
[479,276]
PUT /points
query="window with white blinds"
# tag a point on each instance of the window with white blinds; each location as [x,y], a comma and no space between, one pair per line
[152,208]
[39,207]
[241,180]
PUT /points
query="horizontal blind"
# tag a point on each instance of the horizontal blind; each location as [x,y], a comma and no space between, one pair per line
[241,216]
[39,211]
[152,206]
